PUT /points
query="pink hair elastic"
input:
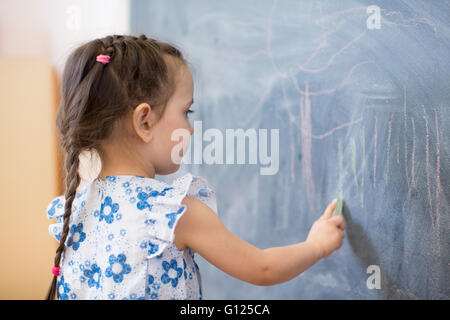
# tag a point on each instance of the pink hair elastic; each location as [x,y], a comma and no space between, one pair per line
[103,58]
[55,270]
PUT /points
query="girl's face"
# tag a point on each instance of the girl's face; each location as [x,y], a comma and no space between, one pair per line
[175,117]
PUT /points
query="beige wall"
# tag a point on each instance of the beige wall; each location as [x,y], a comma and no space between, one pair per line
[36,37]
[30,176]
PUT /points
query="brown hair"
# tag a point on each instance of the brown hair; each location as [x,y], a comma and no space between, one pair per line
[96,96]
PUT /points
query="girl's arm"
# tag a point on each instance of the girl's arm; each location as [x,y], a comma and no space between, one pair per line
[201,230]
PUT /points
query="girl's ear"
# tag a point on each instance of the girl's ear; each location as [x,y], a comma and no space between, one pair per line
[143,120]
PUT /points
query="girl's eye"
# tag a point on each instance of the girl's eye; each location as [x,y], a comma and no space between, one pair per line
[189,111]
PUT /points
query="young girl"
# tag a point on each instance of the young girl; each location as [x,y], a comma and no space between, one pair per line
[127,235]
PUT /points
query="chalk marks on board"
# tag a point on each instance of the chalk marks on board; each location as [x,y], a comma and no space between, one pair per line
[361,111]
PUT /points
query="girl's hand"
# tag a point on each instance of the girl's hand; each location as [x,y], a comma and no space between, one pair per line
[327,233]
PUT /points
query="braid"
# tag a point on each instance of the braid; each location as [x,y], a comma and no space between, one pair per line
[72,182]
[109,46]
[143,37]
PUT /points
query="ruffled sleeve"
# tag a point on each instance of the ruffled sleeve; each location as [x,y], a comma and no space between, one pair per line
[167,210]
[55,209]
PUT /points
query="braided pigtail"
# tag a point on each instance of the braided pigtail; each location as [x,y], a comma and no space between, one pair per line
[75,104]
[72,181]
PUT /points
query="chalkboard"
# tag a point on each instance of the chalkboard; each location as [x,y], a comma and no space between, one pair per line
[360,94]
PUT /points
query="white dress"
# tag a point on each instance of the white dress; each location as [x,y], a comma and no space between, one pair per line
[120,244]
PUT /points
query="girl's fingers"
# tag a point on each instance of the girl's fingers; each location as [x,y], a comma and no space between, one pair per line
[329,210]
[338,221]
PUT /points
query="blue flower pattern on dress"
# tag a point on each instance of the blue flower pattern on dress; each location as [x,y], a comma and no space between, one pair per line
[114,207]
[122,230]
[153,248]
[173,278]
[143,196]
[76,231]
[203,192]
[62,289]
[172,216]
[123,267]
[92,274]
[52,210]
[142,204]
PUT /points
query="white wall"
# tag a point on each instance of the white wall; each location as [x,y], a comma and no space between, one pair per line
[52,28]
